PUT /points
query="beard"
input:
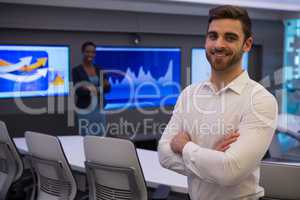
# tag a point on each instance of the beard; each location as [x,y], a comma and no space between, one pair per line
[229,60]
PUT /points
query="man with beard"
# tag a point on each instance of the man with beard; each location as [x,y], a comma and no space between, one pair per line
[221,128]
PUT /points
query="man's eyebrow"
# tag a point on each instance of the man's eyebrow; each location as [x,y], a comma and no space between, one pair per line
[211,32]
[232,34]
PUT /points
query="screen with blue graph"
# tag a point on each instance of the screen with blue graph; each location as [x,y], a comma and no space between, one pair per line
[27,71]
[140,77]
[201,68]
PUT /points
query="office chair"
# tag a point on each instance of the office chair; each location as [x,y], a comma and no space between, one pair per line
[280,180]
[113,170]
[11,165]
[54,179]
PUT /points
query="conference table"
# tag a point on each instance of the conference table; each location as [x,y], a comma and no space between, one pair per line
[154,174]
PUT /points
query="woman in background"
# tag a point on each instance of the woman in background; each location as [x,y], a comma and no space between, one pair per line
[87,82]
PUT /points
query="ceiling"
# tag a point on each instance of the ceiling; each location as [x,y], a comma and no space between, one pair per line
[283,5]
[260,9]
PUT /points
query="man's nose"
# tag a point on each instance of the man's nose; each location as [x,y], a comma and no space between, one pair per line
[220,43]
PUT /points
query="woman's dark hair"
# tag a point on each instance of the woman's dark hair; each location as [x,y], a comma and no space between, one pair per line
[88,43]
[232,12]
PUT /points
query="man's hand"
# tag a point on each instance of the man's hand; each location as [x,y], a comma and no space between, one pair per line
[226,141]
[179,141]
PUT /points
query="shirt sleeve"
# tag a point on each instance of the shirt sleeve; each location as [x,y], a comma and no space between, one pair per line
[243,157]
[167,157]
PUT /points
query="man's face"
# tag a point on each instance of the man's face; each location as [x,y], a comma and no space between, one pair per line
[225,44]
[89,53]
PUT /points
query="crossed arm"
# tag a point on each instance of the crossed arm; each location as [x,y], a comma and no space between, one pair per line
[232,159]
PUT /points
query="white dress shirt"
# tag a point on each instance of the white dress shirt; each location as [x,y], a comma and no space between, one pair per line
[243,106]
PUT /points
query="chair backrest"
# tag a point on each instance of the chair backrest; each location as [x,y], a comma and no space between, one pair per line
[113,169]
[280,181]
[11,165]
[54,177]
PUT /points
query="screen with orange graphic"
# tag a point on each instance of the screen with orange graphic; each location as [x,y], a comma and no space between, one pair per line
[33,70]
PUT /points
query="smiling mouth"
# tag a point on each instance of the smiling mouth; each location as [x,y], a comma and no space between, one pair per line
[219,55]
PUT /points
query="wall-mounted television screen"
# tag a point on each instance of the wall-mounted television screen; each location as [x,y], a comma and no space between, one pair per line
[201,67]
[140,77]
[29,70]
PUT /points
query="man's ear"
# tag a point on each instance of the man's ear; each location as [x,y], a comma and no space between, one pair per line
[248,44]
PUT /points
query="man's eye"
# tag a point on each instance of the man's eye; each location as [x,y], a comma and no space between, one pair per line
[231,38]
[212,36]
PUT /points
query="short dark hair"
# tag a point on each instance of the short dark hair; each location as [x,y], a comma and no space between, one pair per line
[88,43]
[232,12]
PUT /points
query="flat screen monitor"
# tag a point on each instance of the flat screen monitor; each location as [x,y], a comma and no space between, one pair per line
[30,70]
[140,77]
[201,67]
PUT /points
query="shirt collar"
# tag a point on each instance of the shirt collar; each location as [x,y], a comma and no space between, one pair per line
[237,85]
